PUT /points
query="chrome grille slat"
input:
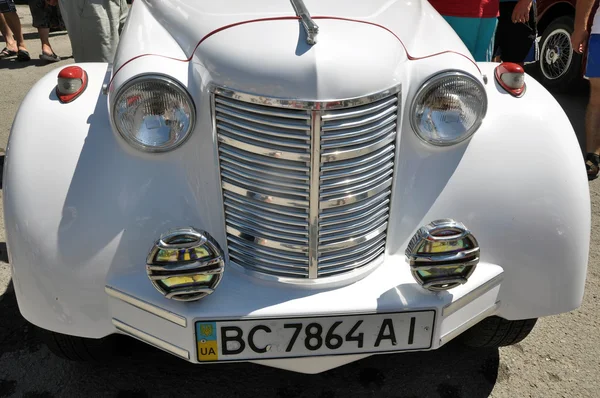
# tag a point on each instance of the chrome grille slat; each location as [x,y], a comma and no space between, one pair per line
[265,177]
[354,251]
[289,215]
[343,234]
[267,151]
[342,134]
[306,191]
[255,265]
[359,110]
[329,215]
[284,230]
[355,197]
[266,120]
[382,157]
[353,180]
[270,141]
[299,135]
[341,267]
[264,161]
[335,154]
[273,261]
[351,164]
[263,197]
[268,252]
[263,110]
[357,140]
[251,236]
[357,186]
[265,186]
[355,222]
[359,121]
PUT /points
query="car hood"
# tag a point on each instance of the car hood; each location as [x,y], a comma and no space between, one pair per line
[416,24]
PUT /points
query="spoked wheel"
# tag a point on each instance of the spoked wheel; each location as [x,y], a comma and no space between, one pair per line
[560,67]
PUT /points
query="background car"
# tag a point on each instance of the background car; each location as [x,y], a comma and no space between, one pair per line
[559,67]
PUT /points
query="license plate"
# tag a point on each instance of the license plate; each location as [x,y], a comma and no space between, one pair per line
[237,340]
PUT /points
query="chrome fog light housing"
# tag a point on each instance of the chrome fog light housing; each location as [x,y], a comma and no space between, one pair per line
[153,113]
[185,264]
[442,255]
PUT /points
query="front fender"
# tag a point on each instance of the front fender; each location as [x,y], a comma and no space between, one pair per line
[74,191]
[520,185]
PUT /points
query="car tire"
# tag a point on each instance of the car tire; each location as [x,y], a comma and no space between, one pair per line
[497,332]
[76,348]
[559,66]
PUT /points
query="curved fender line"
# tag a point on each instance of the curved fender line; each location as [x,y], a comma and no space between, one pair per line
[225,27]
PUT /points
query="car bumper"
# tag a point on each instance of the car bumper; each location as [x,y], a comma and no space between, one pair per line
[139,311]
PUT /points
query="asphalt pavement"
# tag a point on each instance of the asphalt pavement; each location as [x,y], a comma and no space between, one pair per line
[561,358]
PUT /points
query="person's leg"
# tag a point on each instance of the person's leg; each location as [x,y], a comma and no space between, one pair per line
[69,12]
[592,117]
[501,42]
[11,44]
[466,29]
[484,47]
[47,51]
[14,23]
[40,14]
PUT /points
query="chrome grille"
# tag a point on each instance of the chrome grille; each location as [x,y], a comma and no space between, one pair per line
[306,186]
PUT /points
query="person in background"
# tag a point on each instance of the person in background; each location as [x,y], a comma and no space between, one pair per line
[474,21]
[42,14]
[581,42]
[10,25]
[516,30]
[94,27]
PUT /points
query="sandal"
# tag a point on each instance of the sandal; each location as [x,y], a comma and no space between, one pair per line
[49,57]
[5,53]
[23,56]
[592,165]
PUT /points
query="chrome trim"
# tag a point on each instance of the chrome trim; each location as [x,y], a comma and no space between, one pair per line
[312,29]
[436,231]
[435,79]
[470,323]
[331,181]
[347,277]
[152,340]
[308,105]
[261,197]
[158,271]
[165,79]
[472,296]
[146,306]
[315,174]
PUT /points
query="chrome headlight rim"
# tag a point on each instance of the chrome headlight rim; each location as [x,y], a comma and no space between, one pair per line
[177,85]
[425,86]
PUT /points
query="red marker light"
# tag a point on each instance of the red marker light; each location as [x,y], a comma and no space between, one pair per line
[72,81]
[511,77]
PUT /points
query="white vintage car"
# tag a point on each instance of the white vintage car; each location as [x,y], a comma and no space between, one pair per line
[294,184]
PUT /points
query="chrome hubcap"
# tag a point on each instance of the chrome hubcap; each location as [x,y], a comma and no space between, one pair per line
[557,54]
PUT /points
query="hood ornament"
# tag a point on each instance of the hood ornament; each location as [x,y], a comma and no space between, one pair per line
[312,29]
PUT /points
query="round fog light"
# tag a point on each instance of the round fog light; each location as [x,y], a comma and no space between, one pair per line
[185,264]
[442,255]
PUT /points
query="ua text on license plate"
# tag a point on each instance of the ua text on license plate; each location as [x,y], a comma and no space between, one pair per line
[302,337]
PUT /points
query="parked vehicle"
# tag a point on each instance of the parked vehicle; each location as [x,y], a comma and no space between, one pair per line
[560,67]
[299,185]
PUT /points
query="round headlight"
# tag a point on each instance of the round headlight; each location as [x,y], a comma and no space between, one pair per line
[153,113]
[449,108]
